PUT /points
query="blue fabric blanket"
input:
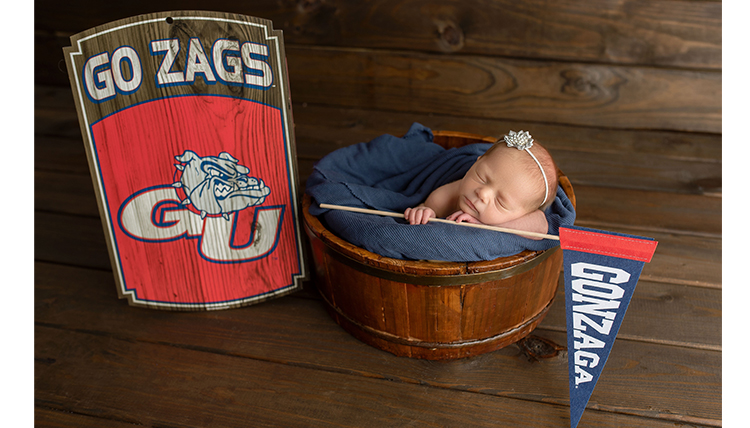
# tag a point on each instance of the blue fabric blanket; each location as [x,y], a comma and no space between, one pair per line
[392,174]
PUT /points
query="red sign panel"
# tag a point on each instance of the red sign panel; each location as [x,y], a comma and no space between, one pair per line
[187,125]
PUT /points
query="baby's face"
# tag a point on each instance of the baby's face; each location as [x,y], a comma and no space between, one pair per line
[501,187]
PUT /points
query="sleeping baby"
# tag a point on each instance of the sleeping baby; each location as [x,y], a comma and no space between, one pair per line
[509,186]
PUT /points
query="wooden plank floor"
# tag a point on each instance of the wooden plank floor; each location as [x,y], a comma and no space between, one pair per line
[285,363]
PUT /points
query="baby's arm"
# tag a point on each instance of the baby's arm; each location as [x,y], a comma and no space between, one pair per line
[534,221]
[439,203]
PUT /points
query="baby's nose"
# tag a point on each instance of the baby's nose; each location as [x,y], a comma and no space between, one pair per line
[483,193]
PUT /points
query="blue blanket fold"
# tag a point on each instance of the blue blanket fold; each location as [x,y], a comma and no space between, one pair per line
[391,174]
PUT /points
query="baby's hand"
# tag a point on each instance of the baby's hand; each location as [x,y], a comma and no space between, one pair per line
[460,216]
[419,215]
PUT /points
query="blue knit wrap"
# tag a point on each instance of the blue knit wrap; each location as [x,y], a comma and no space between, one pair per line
[391,174]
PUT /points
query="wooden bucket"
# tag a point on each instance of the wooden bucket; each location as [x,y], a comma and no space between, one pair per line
[434,310]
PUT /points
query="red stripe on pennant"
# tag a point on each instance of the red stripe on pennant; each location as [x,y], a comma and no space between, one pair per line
[607,245]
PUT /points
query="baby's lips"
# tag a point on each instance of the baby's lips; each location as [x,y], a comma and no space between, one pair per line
[471,204]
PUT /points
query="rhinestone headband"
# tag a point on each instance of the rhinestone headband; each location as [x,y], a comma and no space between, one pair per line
[522,141]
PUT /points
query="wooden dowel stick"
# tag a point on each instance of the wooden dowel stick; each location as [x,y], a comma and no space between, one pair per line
[441,220]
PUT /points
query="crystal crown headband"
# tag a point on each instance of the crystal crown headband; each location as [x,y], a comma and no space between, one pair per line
[522,141]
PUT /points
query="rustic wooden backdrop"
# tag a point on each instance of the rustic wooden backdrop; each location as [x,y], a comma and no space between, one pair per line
[626,95]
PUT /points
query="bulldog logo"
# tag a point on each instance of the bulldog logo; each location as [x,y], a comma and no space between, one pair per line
[218,185]
[218,188]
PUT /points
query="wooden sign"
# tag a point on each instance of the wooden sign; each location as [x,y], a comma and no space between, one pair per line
[186,118]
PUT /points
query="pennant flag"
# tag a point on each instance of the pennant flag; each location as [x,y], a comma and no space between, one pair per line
[601,271]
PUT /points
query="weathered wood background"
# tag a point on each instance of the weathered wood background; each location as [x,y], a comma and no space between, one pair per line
[626,95]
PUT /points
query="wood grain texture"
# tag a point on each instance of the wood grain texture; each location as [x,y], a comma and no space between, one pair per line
[655,160]
[51,418]
[161,384]
[71,240]
[298,333]
[683,257]
[49,65]
[65,193]
[687,260]
[508,89]
[665,161]
[662,33]
[625,94]
[61,155]
[578,93]
[434,322]
[662,313]
[649,211]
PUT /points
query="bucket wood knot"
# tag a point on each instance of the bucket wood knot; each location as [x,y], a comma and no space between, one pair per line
[433,310]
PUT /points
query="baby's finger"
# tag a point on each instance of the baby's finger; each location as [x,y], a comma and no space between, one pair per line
[426,216]
[469,218]
[454,216]
[419,217]
[409,215]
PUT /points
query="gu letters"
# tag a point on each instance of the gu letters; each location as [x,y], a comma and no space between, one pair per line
[216,237]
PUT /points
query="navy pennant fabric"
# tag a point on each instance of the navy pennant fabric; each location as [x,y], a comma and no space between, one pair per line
[601,271]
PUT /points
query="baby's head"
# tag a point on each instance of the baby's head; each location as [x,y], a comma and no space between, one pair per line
[508,182]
